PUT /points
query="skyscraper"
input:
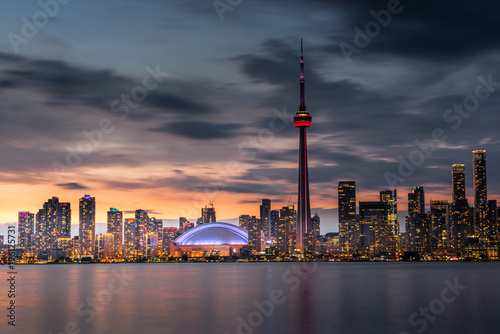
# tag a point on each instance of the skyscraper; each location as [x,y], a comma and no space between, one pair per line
[182,221]
[302,120]
[108,249]
[285,239]
[265,217]
[348,228]
[65,220]
[41,231]
[155,225]
[458,218]
[243,221]
[492,218]
[416,202]
[142,229]
[418,233]
[115,227]
[438,226]
[169,234]
[315,222]
[374,229]
[87,225]
[129,238]
[479,166]
[458,179]
[275,217]
[25,230]
[208,215]
[53,221]
[254,234]
[391,198]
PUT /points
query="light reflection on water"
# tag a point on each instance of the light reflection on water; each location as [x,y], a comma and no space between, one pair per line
[209,298]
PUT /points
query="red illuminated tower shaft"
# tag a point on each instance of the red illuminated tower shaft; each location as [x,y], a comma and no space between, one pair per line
[302,120]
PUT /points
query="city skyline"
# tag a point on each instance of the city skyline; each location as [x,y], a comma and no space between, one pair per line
[419,204]
[221,91]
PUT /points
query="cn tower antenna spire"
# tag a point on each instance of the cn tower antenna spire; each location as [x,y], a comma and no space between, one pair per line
[302,79]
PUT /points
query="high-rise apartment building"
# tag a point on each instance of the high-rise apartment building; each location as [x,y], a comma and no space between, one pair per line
[458,218]
[391,198]
[254,234]
[87,238]
[129,237]
[65,220]
[479,168]
[416,201]
[243,221]
[437,218]
[348,227]
[275,217]
[207,215]
[265,217]
[182,221]
[315,222]
[418,233]
[115,227]
[375,231]
[458,180]
[142,230]
[26,230]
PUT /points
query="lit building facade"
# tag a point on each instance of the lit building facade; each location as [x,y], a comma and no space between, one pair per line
[265,217]
[374,229]
[254,234]
[87,225]
[207,215]
[315,223]
[416,201]
[479,168]
[169,235]
[142,230]
[65,220]
[129,237]
[243,221]
[458,182]
[418,233]
[437,215]
[348,226]
[391,198]
[26,230]
[115,227]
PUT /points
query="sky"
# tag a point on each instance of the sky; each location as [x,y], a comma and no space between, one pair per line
[169,106]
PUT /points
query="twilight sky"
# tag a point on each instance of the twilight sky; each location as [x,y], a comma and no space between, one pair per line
[157,105]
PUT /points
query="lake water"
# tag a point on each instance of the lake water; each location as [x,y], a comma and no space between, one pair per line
[223,298]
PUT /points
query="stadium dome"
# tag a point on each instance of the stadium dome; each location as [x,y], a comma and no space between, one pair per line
[217,233]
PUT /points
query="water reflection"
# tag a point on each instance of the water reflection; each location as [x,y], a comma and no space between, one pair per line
[217,298]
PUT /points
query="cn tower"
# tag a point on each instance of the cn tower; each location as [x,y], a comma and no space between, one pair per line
[302,120]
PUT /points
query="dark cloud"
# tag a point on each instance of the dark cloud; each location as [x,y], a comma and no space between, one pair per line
[201,130]
[71,185]
[70,84]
